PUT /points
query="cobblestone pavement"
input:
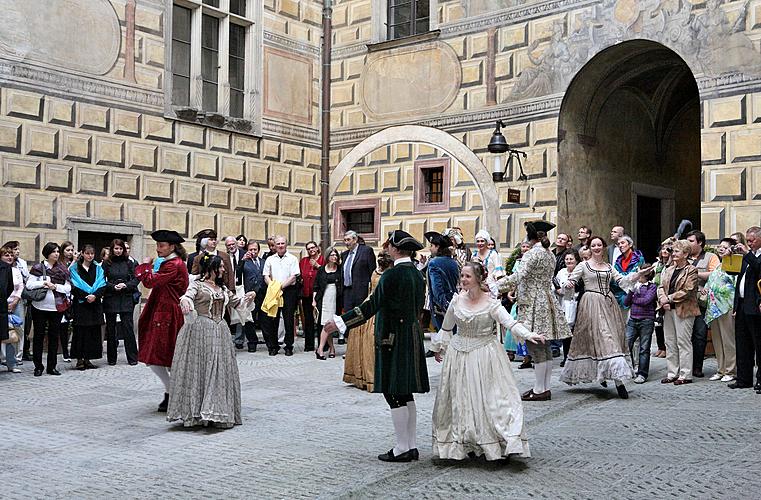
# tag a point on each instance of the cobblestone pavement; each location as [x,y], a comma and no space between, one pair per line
[96,434]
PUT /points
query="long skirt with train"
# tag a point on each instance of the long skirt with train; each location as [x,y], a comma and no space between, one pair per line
[205,384]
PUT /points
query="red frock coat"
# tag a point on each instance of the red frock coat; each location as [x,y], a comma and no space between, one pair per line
[161,318]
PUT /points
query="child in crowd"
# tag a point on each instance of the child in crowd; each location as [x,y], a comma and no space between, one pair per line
[568,296]
[642,300]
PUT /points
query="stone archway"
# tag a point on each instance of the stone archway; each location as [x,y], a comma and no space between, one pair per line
[629,144]
[438,139]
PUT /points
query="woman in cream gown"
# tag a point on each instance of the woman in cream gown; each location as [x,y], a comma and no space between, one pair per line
[478,407]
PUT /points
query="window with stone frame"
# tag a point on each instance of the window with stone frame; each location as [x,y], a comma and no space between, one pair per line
[397,19]
[360,215]
[407,18]
[213,61]
[431,186]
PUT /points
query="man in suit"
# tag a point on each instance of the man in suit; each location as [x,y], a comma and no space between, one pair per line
[613,250]
[209,244]
[235,253]
[199,236]
[747,311]
[250,275]
[358,266]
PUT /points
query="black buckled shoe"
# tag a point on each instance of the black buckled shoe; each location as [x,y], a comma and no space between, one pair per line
[38,372]
[415,454]
[390,457]
[164,404]
[622,392]
[53,372]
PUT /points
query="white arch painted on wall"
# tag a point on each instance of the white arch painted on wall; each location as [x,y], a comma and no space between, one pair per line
[440,140]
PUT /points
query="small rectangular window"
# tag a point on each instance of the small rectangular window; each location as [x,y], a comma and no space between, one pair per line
[434,185]
[237,69]
[213,3]
[210,61]
[407,17]
[181,56]
[361,220]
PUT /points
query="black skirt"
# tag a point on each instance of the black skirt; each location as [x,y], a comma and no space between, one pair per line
[87,342]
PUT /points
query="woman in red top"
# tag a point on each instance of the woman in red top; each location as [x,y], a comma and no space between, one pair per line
[309,266]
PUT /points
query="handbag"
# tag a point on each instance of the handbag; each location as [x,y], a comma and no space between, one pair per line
[12,336]
[37,294]
[63,305]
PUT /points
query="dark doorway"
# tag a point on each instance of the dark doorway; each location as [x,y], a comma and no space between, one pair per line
[648,226]
[99,240]
[630,116]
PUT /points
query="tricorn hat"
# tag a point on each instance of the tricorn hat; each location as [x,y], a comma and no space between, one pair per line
[438,239]
[404,241]
[532,227]
[167,236]
[205,233]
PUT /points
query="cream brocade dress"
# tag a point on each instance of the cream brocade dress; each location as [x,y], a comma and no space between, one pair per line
[359,365]
[478,406]
[205,383]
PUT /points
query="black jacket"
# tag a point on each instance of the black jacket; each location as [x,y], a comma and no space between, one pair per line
[86,313]
[362,268]
[119,271]
[6,289]
[751,269]
[321,282]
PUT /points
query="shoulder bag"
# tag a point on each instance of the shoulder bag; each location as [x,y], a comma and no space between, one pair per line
[37,294]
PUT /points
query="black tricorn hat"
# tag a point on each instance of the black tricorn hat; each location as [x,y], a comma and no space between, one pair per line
[404,241]
[205,233]
[165,235]
[438,239]
[537,225]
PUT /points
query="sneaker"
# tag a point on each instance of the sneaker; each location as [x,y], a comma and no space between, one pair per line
[639,379]
[14,370]
[717,376]
[67,360]
[727,378]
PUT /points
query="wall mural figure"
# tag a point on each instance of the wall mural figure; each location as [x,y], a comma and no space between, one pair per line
[705,37]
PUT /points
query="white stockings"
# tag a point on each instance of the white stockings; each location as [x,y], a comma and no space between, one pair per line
[162,372]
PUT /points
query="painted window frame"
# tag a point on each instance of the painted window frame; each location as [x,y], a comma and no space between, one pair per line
[419,205]
[251,121]
[341,206]
[380,21]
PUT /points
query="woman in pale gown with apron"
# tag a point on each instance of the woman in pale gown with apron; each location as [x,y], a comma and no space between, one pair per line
[478,407]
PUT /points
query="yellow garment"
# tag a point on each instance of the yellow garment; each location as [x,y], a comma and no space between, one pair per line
[273,300]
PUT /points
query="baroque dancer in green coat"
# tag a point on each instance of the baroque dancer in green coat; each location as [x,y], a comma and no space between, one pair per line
[400,367]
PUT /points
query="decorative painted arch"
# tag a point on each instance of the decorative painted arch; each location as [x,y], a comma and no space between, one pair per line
[438,139]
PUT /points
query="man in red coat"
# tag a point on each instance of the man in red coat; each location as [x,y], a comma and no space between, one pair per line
[161,318]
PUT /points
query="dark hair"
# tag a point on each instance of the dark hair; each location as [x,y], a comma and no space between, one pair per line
[83,250]
[6,249]
[650,274]
[586,230]
[330,251]
[242,236]
[699,236]
[591,238]
[480,272]
[13,244]
[49,248]
[541,237]
[211,263]
[180,251]
[311,242]
[444,252]
[384,260]
[253,242]
[575,254]
[732,242]
[116,242]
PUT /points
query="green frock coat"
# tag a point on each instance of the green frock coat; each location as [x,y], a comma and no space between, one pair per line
[400,366]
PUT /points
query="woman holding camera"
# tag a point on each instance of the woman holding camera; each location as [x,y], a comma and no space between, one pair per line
[118,299]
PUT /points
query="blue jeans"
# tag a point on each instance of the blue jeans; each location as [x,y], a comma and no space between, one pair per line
[642,329]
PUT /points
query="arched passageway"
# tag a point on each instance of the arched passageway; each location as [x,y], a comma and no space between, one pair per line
[629,144]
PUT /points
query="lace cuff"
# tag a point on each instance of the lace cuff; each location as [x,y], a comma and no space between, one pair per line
[440,340]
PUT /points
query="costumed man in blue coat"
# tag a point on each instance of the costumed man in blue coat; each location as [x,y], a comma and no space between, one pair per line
[400,368]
